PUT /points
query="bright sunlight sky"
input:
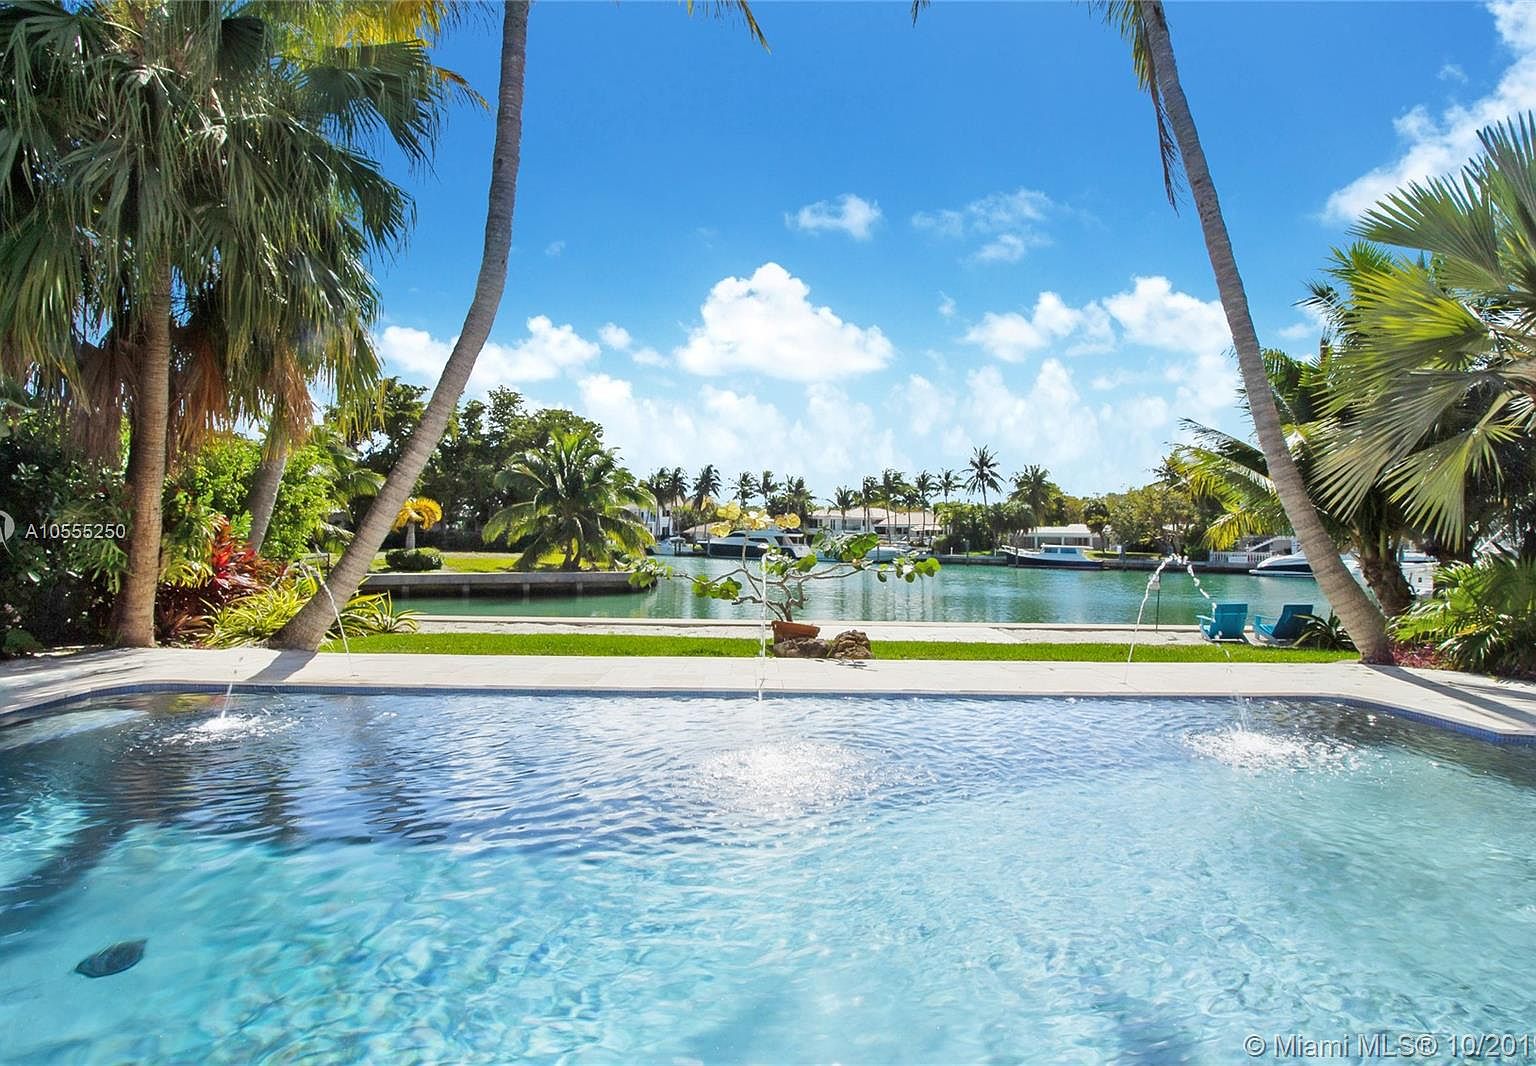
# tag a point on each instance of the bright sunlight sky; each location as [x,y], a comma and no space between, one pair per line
[880,245]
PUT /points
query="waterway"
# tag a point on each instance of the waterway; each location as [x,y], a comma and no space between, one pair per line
[958,593]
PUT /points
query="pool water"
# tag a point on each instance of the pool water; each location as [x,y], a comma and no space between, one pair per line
[688,879]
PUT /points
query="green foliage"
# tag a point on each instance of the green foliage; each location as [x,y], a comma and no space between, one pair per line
[257,617]
[1324,634]
[413,560]
[1481,616]
[1153,517]
[571,498]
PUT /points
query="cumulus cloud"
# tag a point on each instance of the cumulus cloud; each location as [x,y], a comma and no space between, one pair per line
[1011,336]
[614,337]
[547,352]
[554,248]
[848,214]
[766,324]
[946,306]
[1438,145]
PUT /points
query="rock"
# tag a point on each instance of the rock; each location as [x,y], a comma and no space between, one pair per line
[115,959]
[801,648]
[852,644]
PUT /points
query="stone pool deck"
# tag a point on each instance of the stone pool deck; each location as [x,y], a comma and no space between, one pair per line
[968,632]
[1493,710]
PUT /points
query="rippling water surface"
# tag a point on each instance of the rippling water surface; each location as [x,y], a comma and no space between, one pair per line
[607,879]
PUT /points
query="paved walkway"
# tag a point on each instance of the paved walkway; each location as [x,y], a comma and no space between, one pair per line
[1494,710]
[968,632]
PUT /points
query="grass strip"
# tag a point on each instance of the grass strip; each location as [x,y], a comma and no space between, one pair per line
[623,644]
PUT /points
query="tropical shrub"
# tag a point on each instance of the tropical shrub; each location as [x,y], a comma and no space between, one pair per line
[232,571]
[1481,616]
[413,559]
[1324,634]
[255,618]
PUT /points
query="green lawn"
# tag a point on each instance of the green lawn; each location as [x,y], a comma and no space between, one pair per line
[611,644]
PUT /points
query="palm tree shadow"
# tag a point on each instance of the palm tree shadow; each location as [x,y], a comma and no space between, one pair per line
[1471,693]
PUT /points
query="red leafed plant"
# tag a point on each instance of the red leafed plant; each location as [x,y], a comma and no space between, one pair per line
[233,570]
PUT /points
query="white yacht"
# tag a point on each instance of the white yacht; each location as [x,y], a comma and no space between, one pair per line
[1292,564]
[754,542]
[1052,557]
[884,552]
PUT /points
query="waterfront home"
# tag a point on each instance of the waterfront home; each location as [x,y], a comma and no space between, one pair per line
[1073,535]
[921,526]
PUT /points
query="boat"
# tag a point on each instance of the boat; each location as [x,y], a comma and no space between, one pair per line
[754,543]
[884,552]
[1291,564]
[1051,557]
[672,546]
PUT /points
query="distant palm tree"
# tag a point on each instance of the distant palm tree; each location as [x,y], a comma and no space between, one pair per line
[1032,487]
[924,486]
[572,498]
[983,467]
[844,499]
[417,511]
[892,486]
[745,487]
[949,482]
[869,491]
[766,487]
[706,486]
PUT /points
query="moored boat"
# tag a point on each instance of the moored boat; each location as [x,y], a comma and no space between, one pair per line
[1052,557]
[754,543]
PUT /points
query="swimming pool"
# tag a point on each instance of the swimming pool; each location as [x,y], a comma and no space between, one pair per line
[605,878]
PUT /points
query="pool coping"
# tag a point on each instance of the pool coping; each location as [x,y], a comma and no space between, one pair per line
[1502,712]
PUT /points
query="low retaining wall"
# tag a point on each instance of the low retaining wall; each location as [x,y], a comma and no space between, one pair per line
[505,583]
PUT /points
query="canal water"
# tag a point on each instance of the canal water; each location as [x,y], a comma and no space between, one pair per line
[957,594]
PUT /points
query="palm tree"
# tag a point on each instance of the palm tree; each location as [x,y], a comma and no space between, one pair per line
[572,499]
[844,499]
[1144,25]
[309,626]
[1032,487]
[244,179]
[923,488]
[1436,357]
[1234,473]
[417,511]
[983,467]
[949,482]
[744,487]
[706,486]
[891,488]
[766,487]
[869,492]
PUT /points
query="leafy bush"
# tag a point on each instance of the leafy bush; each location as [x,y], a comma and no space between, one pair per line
[414,559]
[254,618]
[232,571]
[1480,617]
[1324,634]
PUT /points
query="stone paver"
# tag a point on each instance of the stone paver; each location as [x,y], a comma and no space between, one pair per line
[1485,707]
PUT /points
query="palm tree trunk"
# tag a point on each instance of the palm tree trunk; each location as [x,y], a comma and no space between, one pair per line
[1361,617]
[269,478]
[1384,575]
[309,626]
[410,536]
[133,616]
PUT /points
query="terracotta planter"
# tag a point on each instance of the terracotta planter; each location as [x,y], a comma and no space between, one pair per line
[792,630]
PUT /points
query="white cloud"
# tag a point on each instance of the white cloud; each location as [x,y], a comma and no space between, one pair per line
[548,351]
[1012,336]
[1436,146]
[614,337]
[946,306]
[765,324]
[554,248]
[848,214]
[1452,72]
[1155,315]
[648,357]
[1007,222]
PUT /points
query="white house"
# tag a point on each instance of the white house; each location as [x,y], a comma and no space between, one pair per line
[1077,534]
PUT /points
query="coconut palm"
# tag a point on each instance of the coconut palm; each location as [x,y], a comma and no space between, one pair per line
[1439,364]
[869,492]
[844,500]
[984,477]
[1144,25]
[706,486]
[418,511]
[949,482]
[766,487]
[744,487]
[572,499]
[308,628]
[1032,487]
[173,172]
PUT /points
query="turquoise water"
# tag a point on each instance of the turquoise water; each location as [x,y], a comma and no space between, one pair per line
[956,594]
[606,879]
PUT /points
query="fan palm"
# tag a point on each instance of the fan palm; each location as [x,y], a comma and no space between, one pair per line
[1441,361]
[418,511]
[308,628]
[572,499]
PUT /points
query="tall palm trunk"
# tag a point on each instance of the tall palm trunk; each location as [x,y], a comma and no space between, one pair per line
[1366,625]
[269,478]
[308,627]
[133,616]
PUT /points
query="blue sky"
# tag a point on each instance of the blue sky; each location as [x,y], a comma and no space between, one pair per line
[880,245]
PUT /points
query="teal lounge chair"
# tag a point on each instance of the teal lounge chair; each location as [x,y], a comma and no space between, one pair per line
[1225,622]
[1286,628]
